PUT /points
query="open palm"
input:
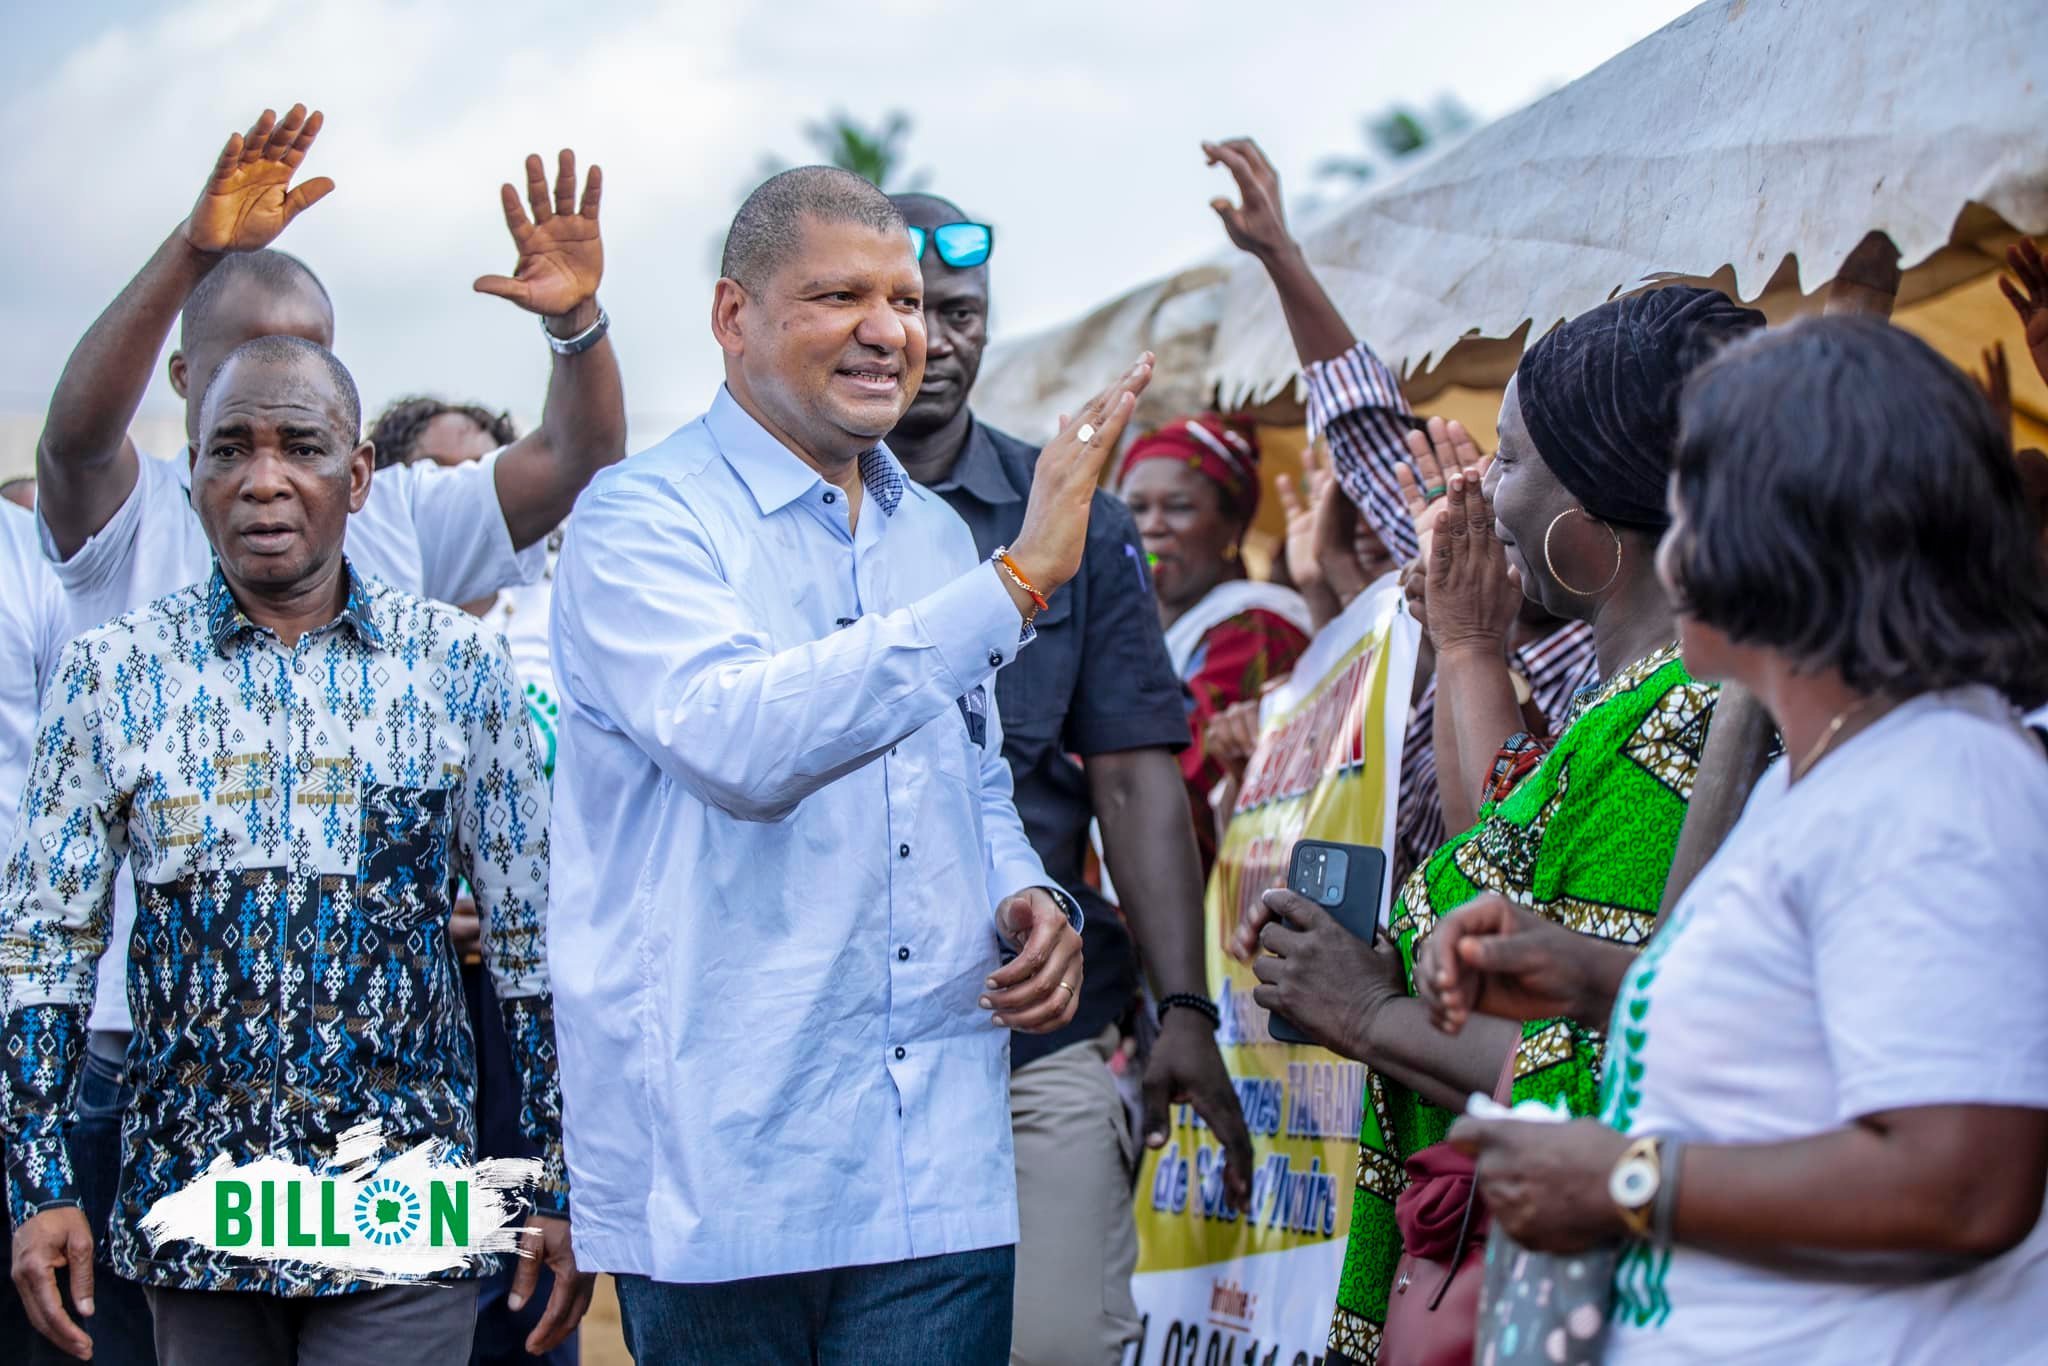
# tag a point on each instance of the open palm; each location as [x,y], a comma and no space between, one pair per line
[561,255]
[249,198]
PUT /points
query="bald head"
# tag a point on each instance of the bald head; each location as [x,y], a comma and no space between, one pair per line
[306,370]
[768,229]
[277,469]
[247,295]
[268,273]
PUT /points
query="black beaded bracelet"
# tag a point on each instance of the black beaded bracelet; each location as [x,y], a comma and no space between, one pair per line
[1200,1004]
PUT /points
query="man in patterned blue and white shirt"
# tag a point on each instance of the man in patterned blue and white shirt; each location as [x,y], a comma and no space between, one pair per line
[118,528]
[297,761]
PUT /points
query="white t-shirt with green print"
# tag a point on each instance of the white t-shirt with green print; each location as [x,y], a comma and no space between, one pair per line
[1872,938]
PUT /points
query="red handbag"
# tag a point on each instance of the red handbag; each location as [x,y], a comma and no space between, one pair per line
[1433,1310]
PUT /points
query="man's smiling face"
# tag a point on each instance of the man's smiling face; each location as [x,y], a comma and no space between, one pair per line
[835,339]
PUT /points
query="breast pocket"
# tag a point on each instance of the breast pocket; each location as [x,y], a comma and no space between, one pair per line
[403,869]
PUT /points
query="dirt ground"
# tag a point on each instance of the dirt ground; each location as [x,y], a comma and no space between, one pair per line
[603,1344]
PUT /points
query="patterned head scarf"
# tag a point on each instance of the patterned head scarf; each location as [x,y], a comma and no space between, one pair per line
[1599,395]
[1223,450]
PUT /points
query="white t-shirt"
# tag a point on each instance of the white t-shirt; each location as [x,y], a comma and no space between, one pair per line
[434,531]
[521,616]
[32,634]
[1872,938]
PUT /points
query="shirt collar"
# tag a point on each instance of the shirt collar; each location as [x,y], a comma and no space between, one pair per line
[226,622]
[774,474]
[980,470]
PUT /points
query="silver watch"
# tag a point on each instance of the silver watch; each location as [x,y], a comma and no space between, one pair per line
[582,341]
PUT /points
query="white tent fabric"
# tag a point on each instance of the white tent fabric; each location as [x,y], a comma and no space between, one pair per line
[1740,135]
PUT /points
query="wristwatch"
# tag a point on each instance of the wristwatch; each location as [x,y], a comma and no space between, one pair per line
[582,341]
[1634,1182]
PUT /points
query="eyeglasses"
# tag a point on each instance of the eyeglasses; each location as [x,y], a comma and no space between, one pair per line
[960,245]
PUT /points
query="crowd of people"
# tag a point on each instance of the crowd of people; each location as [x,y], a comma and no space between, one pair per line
[729,847]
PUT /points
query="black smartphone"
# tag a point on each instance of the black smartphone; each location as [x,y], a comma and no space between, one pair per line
[1346,880]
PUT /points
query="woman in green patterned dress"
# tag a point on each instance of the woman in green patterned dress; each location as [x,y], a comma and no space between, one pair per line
[1581,830]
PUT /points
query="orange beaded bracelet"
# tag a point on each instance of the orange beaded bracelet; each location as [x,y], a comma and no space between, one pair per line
[1002,557]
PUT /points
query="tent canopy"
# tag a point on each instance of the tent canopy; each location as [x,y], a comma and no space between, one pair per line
[1746,145]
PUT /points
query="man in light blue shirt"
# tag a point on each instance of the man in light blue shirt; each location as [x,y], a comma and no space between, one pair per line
[788,866]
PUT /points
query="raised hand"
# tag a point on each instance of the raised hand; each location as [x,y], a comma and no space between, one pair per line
[561,256]
[2029,298]
[1425,477]
[249,198]
[1048,546]
[1334,524]
[1473,593]
[1259,224]
[1299,503]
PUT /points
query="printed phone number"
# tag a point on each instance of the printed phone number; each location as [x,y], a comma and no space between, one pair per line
[1189,1344]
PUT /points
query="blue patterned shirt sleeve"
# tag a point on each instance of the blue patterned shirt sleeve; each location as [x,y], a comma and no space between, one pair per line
[56,898]
[503,837]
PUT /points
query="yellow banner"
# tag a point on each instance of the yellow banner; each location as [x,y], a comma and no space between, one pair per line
[1254,1287]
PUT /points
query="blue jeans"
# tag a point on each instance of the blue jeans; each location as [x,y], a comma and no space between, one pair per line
[120,1324]
[953,1310]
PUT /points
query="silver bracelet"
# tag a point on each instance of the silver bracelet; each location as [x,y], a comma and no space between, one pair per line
[582,341]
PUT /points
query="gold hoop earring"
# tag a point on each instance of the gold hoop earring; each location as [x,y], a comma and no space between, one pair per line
[1551,564]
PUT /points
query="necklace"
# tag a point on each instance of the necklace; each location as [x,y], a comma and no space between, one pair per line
[1841,719]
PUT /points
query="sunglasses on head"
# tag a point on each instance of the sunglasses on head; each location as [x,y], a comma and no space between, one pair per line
[960,245]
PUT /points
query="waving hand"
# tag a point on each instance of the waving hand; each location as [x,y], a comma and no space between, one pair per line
[248,200]
[561,256]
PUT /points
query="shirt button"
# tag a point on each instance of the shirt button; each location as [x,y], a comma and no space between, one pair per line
[901,1052]
[831,497]
[298,666]
[902,851]
[903,954]
[995,659]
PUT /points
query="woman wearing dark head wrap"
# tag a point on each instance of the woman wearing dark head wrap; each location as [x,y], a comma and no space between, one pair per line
[1837,1037]
[1580,830]
[1192,487]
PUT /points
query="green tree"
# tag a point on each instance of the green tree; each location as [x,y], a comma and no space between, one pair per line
[1396,133]
[876,153]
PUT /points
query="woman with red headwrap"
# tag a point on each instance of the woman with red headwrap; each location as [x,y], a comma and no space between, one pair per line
[1192,487]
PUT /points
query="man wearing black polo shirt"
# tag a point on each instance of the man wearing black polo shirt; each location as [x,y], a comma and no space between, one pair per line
[1096,683]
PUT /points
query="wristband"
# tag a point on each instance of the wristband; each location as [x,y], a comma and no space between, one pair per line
[582,341]
[1016,575]
[1201,1005]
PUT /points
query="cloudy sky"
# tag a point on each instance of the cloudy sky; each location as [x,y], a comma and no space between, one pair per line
[1069,124]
